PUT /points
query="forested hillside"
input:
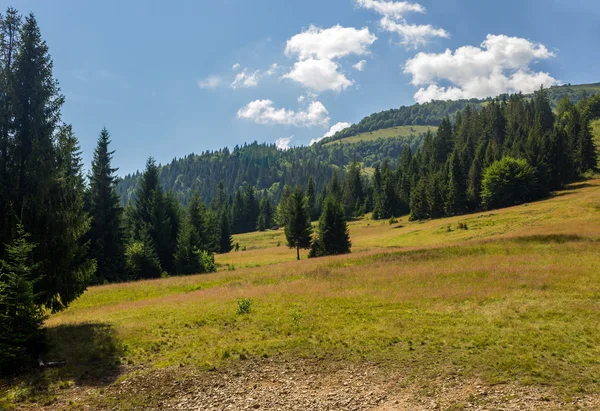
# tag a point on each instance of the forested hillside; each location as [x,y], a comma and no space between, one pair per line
[433,112]
[266,167]
[269,169]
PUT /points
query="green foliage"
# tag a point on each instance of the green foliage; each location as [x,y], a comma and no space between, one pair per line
[106,235]
[297,228]
[21,336]
[508,182]
[333,237]
[244,305]
[142,260]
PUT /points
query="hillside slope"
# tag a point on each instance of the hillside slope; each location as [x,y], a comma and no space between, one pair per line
[508,305]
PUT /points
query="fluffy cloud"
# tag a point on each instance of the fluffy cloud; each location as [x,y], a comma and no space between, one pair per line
[211,82]
[318,75]
[500,64]
[393,20]
[236,67]
[246,79]
[334,129]
[283,143]
[360,66]
[264,112]
[316,50]
[331,43]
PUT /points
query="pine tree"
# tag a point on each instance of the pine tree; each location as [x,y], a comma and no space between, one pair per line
[106,234]
[333,237]
[311,198]
[353,189]
[298,228]
[47,185]
[225,238]
[378,195]
[21,318]
[455,198]
[265,216]
[141,258]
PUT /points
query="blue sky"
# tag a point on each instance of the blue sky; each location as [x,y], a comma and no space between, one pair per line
[161,76]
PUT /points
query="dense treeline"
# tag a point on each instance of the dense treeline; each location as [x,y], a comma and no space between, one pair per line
[466,166]
[434,112]
[265,167]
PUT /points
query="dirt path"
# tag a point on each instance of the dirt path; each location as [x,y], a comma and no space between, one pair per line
[310,385]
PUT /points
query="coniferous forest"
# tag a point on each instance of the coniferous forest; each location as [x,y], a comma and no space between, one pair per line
[61,231]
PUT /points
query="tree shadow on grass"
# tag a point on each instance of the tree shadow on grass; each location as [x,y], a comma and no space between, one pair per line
[91,351]
[92,356]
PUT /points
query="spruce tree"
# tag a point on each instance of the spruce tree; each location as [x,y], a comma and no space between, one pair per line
[21,318]
[311,198]
[107,245]
[265,216]
[333,237]
[298,228]
[225,238]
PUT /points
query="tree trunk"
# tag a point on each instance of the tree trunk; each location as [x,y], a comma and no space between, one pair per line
[298,252]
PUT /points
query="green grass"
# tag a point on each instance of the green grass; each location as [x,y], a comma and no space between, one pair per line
[513,298]
[400,131]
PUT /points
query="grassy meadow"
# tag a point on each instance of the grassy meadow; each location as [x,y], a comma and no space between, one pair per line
[399,131]
[514,297]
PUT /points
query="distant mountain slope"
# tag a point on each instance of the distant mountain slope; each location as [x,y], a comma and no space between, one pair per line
[432,113]
[398,131]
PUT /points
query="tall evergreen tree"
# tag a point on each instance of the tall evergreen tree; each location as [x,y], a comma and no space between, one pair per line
[298,228]
[332,237]
[107,245]
[225,238]
[311,198]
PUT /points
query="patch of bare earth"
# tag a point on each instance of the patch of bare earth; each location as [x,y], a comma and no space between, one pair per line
[313,385]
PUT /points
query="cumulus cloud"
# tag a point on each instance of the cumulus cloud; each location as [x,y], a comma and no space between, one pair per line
[318,75]
[317,48]
[499,65]
[211,82]
[334,129]
[393,20]
[360,66]
[283,143]
[264,112]
[331,43]
[246,79]
[236,67]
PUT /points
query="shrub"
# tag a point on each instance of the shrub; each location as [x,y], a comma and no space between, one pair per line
[244,305]
[508,182]
[393,220]
[142,261]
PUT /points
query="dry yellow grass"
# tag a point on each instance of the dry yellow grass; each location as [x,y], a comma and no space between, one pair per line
[514,298]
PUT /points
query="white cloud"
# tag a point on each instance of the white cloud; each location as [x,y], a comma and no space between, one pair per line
[360,66]
[264,112]
[283,143]
[334,129]
[246,79]
[393,20]
[316,50]
[412,35]
[392,9]
[318,75]
[301,99]
[236,67]
[211,82]
[331,43]
[499,65]
[273,69]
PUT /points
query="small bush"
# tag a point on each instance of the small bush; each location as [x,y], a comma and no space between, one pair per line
[244,305]
[393,220]
[463,226]
[142,261]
